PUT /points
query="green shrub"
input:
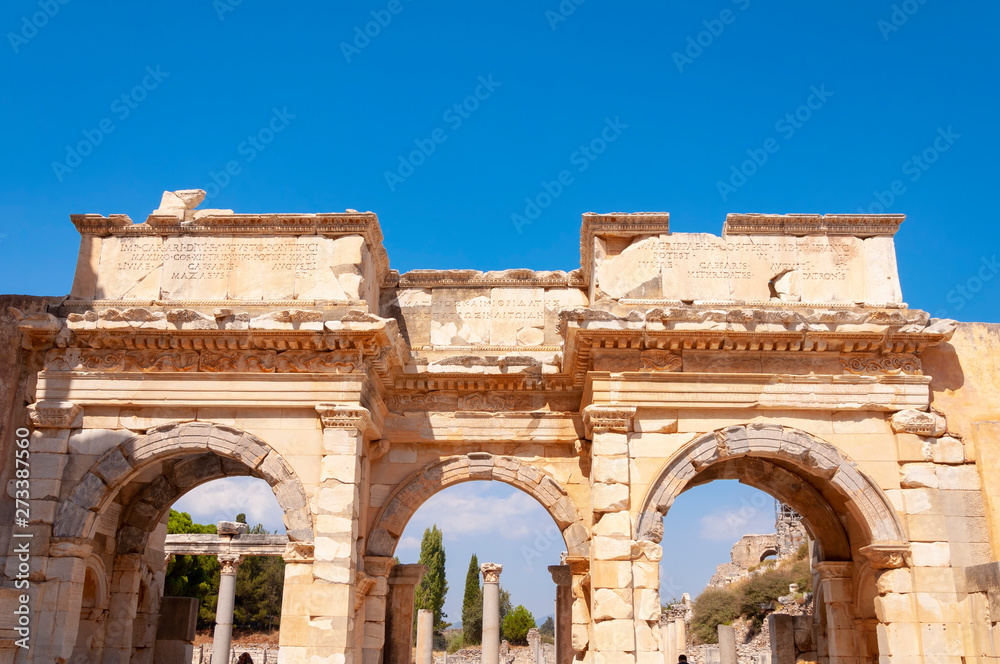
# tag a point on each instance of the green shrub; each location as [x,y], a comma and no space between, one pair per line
[803,551]
[758,593]
[516,625]
[455,642]
[714,607]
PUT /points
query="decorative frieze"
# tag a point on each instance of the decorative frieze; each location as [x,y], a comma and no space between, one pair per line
[882,364]
[858,225]
[887,556]
[299,552]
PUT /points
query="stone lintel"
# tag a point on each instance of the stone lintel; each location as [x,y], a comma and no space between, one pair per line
[212,545]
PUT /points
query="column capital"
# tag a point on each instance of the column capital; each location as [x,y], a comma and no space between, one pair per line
[608,419]
[491,572]
[834,569]
[299,552]
[230,562]
[56,415]
[344,416]
[561,575]
[409,574]
[379,566]
[887,556]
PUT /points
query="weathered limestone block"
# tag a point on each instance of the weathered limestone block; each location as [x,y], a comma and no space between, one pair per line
[918,422]
[612,604]
[614,635]
[609,497]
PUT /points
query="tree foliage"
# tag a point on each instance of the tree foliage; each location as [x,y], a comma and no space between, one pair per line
[431,590]
[472,605]
[547,628]
[516,625]
[259,580]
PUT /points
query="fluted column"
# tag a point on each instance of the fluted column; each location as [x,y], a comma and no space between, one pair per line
[224,609]
[491,612]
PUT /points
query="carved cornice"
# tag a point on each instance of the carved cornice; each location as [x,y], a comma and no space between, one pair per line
[474,278]
[342,416]
[39,330]
[887,556]
[170,360]
[379,566]
[608,419]
[230,562]
[615,224]
[858,225]
[55,415]
[561,575]
[491,572]
[660,360]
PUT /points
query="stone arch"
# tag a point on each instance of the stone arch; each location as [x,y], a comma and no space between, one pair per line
[809,474]
[767,553]
[202,452]
[413,491]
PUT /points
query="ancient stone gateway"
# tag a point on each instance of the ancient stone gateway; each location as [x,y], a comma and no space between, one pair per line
[203,344]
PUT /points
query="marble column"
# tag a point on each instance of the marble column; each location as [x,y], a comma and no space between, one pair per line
[491,612]
[670,645]
[680,635]
[425,636]
[224,609]
[399,612]
[563,579]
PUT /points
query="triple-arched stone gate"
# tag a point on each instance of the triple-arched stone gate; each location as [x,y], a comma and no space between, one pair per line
[200,345]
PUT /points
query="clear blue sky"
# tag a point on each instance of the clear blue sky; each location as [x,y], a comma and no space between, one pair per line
[221,75]
[313,126]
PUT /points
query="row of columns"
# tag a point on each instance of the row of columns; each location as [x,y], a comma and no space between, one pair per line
[673,633]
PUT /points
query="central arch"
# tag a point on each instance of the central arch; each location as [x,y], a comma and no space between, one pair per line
[413,491]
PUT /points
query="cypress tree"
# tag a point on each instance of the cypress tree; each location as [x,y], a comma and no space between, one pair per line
[472,606]
[431,591]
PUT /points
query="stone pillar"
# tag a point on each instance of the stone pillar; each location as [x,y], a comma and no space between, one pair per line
[425,636]
[176,630]
[563,579]
[680,635]
[580,634]
[534,646]
[378,569]
[491,612]
[334,626]
[624,616]
[224,609]
[399,613]
[670,642]
[836,589]
[781,630]
[727,644]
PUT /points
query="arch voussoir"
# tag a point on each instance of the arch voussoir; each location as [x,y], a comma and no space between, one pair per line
[412,492]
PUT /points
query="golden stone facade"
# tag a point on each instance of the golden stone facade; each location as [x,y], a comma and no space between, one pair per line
[203,344]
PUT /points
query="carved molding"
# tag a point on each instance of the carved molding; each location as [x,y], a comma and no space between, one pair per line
[833,569]
[660,360]
[230,562]
[561,575]
[55,415]
[39,329]
[612,419]
[209,361]
[887,556]
[377,449]
[299,552]
[491,572]
[344,416]
[379,566]
[363,583]
[619,225]
[883,364]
